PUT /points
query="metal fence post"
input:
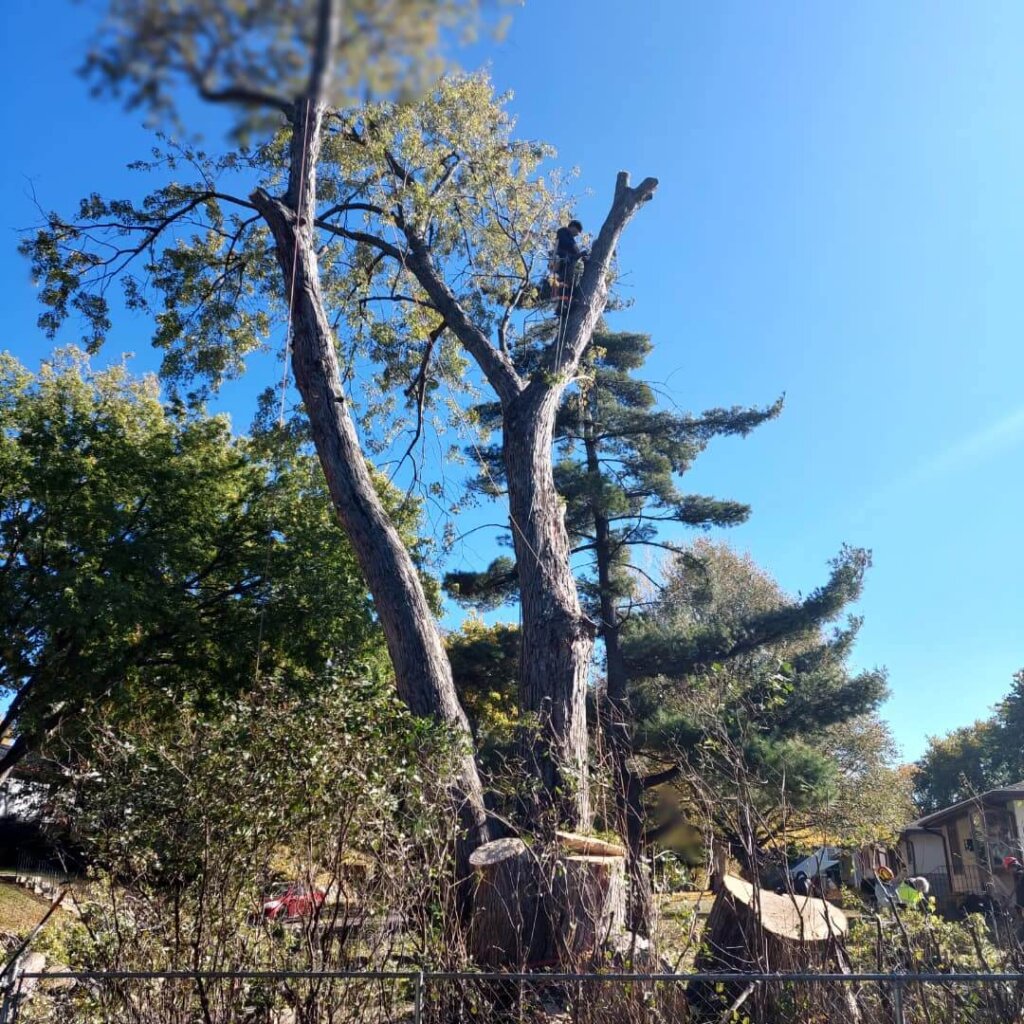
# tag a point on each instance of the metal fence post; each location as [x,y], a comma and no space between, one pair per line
[11,994]
[417,1003]
[897,1001]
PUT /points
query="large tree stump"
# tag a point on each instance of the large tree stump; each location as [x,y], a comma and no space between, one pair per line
[543,907]
[757,931]
[506,928]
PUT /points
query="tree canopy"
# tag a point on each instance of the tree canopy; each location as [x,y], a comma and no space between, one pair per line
[739,693]
[974,758]
[431,209]
[144,547]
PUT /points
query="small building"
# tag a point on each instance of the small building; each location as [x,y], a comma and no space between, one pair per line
[21,793]
[961,849]
[25,846]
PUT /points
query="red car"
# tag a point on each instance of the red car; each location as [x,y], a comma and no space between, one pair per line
[292,902]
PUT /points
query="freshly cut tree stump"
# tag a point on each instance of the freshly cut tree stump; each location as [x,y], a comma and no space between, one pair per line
[506,928]
[754,930]
[590,900]
[532,908]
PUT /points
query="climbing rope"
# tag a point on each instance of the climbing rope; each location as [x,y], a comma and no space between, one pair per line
[563,318]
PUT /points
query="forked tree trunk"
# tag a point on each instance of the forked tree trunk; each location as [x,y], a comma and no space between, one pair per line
[422,671]
[558,639]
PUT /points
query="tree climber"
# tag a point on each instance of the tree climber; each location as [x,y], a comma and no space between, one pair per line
[563,266]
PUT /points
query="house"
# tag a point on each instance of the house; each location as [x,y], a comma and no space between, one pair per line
[23,792]
[26,847]
[961,849]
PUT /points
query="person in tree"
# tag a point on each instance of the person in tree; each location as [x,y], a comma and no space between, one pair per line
[567,256]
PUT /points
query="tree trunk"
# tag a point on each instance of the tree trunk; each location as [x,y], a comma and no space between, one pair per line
[507,929]
[617,719]
[422,672]
[590,894]
[558,639]
[532,908]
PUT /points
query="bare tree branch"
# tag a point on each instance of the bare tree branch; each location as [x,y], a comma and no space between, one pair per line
[419,388]
[246,96]
[397,298]
[360,236]
[593,288]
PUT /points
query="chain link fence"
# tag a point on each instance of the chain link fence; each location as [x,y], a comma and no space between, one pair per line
[412,997]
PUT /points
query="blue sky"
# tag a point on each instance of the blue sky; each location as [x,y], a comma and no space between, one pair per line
[840,218]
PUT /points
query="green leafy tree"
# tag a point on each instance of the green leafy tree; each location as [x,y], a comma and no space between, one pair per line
[738,691]
[190,810]
[140,548]
[870,795]
[485,665]
[974,758]
[431,207]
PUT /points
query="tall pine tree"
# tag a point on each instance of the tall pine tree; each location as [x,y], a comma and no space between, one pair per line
[745,708]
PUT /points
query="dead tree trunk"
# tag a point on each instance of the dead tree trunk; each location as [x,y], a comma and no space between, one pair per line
[558,639]
[422,672]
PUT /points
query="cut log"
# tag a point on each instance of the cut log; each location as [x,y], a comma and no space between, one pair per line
[576,843]
[793,918]
[751,929]
[530,909]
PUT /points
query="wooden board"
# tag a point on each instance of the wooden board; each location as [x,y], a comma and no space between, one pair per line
[589,845]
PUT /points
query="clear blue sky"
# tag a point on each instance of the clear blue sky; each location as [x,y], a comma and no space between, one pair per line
[841,217]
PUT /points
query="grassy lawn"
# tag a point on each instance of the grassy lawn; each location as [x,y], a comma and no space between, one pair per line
[20,910]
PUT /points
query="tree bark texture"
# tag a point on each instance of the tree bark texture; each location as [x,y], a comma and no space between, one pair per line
[422,671]
[558,639]
[507,929]
[531,909]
